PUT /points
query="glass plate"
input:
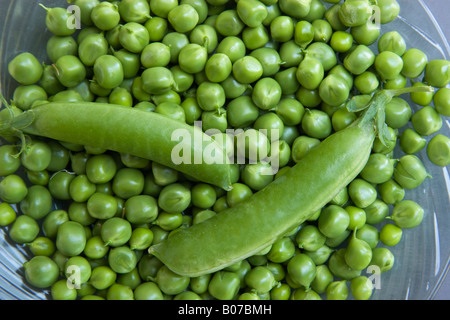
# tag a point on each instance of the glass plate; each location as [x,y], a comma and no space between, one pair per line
[421,258]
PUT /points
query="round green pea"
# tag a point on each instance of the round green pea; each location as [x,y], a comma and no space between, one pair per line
[438,150]
[410,172]
[41,271]
[71,238]
[25,68]
[407,214]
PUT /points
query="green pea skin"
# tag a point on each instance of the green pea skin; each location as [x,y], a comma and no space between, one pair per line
[437,73]
[71,238]
[391,192]
[390,234]
[412,142]
[410,172]
[218,67]
[438,150]
[169,282]
[359,59]
[358,254]
[407,214]
[301,269]
[192,58]
[41,271]
[13,189]
[361,288]
[102,277]
[310,73]
[224,285]
[354,13]
[247,69]
[242,112]
[337,290]
[295,8]
[426,121]
[115,232]
[316,124]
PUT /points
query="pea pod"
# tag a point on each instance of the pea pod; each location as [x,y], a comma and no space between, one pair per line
[252,225]
[144,134]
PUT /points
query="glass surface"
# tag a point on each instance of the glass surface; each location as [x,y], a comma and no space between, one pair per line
[422,257]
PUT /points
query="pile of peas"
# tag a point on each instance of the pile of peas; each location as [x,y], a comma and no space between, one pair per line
[290,65]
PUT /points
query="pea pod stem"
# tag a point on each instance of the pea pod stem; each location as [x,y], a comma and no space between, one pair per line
[143,134]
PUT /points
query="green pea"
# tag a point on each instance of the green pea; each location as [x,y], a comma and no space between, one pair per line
[412,142]
[13,189]
[301,269]
[105,16]
[210,96]
[357,217]
[9,160]
[134,10]
[342,118]
[71,238]
[388,65]
[322,280]
[282,28]
[218,67]
[295,8]
[95,248]
[128,182]
[437,73]
[316,124]
[24,229]
[169,282]
[41,271]
[102,277]
[333,220]
[310,238]
[252,144]
[287,79]
[108,71]
[260,279]
[122,259]
[174,198]
[242,112]
[392,41]
[247,69]
[7,214]
[310,73]
[391,192]
[192,58]
[398,113]
[339,267]
[38,202]
[224,285]
[358,254]
[359,59]
[367,33]
[414,63]
[390,234]
[369,234]
[355,13]
[383,258]
[337,290]
[362,193]
[426,121]
[441,101]
[361,288]
[367,82]
[302,145]
[36,156]
[378,169]
[183,18]
[102,206]
[438,150]
[410,172]
[322,30]
[115,232]
[148,291]
[141,209]
[407,214]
